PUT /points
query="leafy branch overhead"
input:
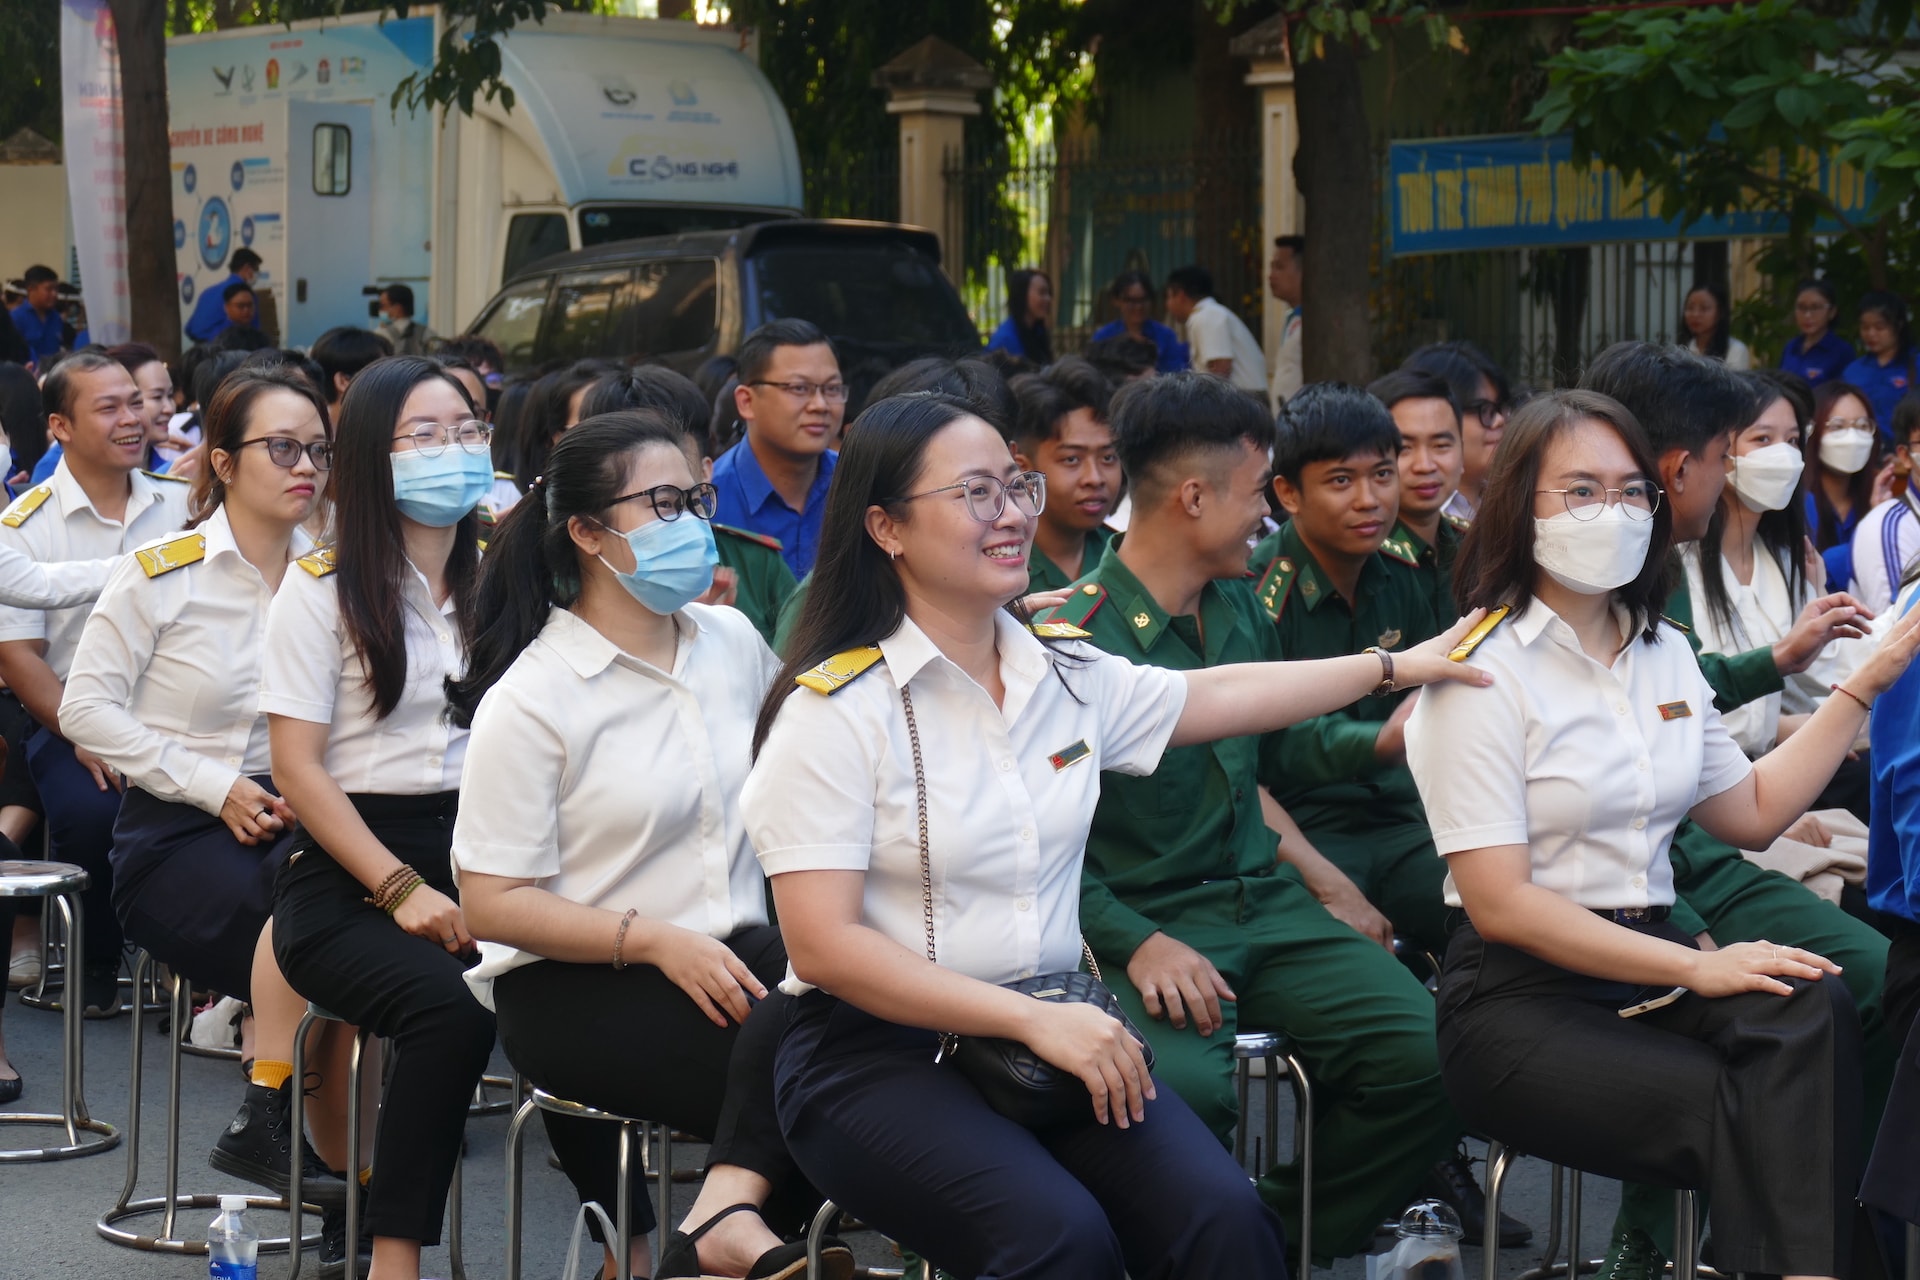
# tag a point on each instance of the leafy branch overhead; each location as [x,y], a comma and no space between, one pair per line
[1318,22]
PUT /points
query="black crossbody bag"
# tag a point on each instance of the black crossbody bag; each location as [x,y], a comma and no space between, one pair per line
[1016,1081]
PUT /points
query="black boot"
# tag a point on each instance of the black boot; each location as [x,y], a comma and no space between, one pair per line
[258,1146]
[1452,1181]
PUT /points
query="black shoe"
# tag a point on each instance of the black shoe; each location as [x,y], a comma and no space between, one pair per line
[782,1262]
[100,990]
[333,1239]
[10,1090]
[1452,1181]
[258,1145]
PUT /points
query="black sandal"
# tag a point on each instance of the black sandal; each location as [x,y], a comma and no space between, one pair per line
[681,1260]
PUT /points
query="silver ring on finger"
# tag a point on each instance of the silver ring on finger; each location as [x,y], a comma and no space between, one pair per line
[449,941]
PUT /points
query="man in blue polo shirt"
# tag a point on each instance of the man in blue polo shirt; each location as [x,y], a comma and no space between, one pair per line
[209,319]
[792,400]
[38,318]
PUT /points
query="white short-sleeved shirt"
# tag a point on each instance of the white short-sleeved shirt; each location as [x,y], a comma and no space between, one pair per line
[55,521]
[1885,543]
[312,673]
[615,784]
[1010,792]
[1762,614]
[165,686]
[1287,376]
[1591,767]
[1215,333]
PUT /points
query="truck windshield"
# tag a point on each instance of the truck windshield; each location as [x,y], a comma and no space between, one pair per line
[600,224]
[873,292]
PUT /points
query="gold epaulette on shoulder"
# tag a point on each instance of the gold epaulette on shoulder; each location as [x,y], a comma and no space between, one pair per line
[1275,585]
[503,475]
[1057,631]
[1677,625]
[1460,523]
[318,562]
[748,535]
[1396,547]
[178,553]
[161,475]
[1481,630]
[839,671]
[25,505]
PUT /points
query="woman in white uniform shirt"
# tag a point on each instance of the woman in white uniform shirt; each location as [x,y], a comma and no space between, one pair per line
[165,688]
[926,538]
[600,850]
[1748,581]
[360,642]
[1746,1083]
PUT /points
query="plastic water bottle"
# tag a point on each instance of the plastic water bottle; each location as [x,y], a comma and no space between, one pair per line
[233,1246]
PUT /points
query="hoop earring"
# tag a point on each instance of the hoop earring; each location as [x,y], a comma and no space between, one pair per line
[891,556]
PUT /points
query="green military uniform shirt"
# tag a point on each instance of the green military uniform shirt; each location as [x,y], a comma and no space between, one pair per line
[1044,575]
[1737,678]
[763,581]
[1433,559]
[1196,819]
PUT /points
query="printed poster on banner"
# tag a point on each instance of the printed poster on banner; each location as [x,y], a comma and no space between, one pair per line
[96,165]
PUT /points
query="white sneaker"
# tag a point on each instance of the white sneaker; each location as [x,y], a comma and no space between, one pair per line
[23,970]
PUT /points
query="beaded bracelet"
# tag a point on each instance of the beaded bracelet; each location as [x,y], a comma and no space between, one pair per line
[620,938]
[395,888]
[402,896]
[1864,704]
[394,880]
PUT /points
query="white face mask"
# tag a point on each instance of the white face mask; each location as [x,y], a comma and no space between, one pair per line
[1766,478]
[1846,451]
[1593,556]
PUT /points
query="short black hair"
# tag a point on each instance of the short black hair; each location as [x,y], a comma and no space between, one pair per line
[293,362]
[1158,422]
[1046,397]
[347,350]
[211,372]
[1123,357]
[241,337]
[1680,399]
[1296,243]
[756,352]
[234,290]
[1328,421]
[973,381]
[1413,384]
[475,350]
[1463,365]
[1193,280]
[665,391]
[400,295]
[38,274]
[244,259]
[1906,418]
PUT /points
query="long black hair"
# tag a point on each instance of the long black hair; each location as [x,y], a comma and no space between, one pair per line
[1826,525]
[23,415]
[532,564]
[369,532]
[856,597]
[1036,340]
[1892,309]
[1783,533]
[1722,335]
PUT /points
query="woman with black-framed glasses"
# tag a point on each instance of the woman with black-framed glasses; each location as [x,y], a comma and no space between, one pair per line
[624,935]
[165,688]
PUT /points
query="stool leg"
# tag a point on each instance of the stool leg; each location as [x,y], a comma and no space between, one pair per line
[181,1001]
[1303,1143]
[354,1162]
[1243,1071]
[1686,1234]
[456,1260]
[824,1219]
[1573,1225]
[1499,1160]
[623,1218]
[1913,1252]
[1273,1115]
[140,965]
[298,1121]
[516,1129]
[72,1102]
[664,1189]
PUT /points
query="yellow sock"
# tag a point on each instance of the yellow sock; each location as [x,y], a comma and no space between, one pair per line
[271,1074]
[366,1175]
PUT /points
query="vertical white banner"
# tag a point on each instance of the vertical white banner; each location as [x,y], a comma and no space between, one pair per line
[96,164]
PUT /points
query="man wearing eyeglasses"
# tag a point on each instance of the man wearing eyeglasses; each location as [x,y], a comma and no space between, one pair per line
[792,400]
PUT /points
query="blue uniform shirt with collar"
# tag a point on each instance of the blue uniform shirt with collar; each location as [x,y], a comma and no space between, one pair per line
[1883,384]
[1825,361]
[1173,355]
[748,501]
[43,335]
[209,318]
[1893,829]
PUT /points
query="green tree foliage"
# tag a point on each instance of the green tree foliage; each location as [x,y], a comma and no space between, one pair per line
[30,54]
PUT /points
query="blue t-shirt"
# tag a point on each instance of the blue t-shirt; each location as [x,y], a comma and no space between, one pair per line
[1827,359]
[748,501]
[1893,825]
[1007,338]
[1843,532]
[43,335]
[209,318]
[1173,352]
[1883,385]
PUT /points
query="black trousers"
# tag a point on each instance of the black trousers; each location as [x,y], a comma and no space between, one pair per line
[1893,1174]
[632,1042]
[189,892]
[351,959]
[910,1147]
[80,819]
[1754,1097]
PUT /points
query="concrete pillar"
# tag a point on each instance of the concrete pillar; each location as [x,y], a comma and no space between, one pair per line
[1282,211]
[932,89]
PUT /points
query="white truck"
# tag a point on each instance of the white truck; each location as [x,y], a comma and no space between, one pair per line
[284,142]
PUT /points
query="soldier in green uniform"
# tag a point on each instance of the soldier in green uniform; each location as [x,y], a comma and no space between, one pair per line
[1062,433]
[1691,407]
[761,580]
[1202,930]
[1333,582]
[1431,464]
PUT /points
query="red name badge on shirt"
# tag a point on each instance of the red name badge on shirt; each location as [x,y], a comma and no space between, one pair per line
[1674,710]
[1070,756]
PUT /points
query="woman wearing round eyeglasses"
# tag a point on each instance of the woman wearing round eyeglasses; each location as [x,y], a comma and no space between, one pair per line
[601,853]
[1574,1020]
[360,642]
[165,688]
[1133,297]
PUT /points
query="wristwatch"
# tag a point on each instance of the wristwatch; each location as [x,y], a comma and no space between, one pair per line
[1385,686]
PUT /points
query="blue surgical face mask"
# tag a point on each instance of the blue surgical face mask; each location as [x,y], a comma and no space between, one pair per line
[673,562]
[437,491]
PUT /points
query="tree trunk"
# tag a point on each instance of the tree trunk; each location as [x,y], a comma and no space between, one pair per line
[140,29]
[1335,172]
[1226,199]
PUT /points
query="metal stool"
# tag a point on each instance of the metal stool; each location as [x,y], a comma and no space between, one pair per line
[298,1123]
[59,940]
[541,1100]
[1271,1048]
[60,884]
[823,1223]
[172,1201]
[1686,1227]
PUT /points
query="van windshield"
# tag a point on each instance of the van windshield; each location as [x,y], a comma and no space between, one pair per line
[876,293]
